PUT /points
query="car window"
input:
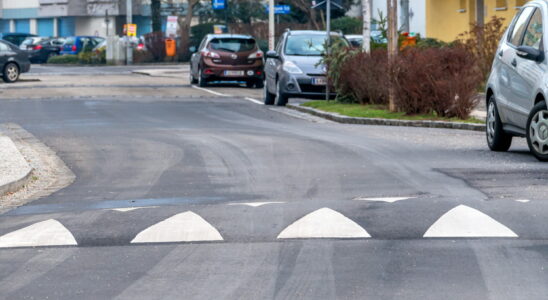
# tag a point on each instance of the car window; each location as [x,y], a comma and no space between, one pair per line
[69,41]
[520,26]
[308,45]
[4,47]
[533,34]
[232,44]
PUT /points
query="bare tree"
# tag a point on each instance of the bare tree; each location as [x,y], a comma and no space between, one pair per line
[156,14]
[366,12]
[184,26]
[304,5]
[392,8]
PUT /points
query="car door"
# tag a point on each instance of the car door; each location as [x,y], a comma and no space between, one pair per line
[195,58]
[5,54]
[530,72]
[509,82]
[272,66]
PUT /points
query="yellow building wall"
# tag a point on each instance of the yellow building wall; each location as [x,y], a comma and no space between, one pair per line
[445,19]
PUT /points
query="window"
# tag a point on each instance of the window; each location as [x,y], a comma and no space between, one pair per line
[4,47]
[232,44]
[501,5]
[462,7]
[533,34]
[520,26]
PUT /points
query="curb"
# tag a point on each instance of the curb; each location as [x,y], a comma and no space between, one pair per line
[22,179]
[386,122]
[16,185]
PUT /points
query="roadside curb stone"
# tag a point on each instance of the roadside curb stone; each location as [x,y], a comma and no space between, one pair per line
[387,122]
[15,172]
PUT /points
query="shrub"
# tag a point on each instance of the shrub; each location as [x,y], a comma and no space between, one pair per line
[347,25]
[431,43]
[85,57]
[436,80]
[155,43]
[99,56]
[64,59]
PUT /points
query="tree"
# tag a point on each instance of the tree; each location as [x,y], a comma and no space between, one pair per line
[155,7]
[184,27]
[366,10]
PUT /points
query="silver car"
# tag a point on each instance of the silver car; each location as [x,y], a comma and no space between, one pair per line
[518,84]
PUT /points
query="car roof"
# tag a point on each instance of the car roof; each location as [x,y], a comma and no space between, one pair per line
[312,32]
[229,35]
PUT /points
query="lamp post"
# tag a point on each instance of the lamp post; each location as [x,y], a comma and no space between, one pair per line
[271,25]
[129,20]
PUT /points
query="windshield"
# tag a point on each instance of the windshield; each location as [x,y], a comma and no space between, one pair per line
[69,41]
[232,44]
[308,45]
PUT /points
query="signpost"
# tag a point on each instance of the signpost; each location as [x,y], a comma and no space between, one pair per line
[171,27]
[280,9]
[218,4]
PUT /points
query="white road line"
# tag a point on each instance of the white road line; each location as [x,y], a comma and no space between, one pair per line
[324,223]
[254,100]
[126,209]
[45,233]
[384,199]
[183,227]
[523,200]
[256,204]
[464,221]
[211,92]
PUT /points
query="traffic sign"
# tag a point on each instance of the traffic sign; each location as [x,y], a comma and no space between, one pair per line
[280,9]
[218,4]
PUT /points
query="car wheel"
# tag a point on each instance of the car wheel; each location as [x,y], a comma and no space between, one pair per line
[281,98]
[268,97]
[537,131]
[202,82]
[11,73]
[497,138]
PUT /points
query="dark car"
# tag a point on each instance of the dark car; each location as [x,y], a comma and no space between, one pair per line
[227,57]
[13,61]
[16,38]
[75,44]
[40,49]
[294,69]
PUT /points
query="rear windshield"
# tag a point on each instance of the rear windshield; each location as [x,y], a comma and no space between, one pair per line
[232,44]
[69,41]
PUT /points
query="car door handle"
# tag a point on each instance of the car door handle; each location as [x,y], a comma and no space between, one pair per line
[514,63]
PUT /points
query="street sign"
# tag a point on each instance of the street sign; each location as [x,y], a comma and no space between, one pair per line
[131,29]
[171,27]
[280,9]
[218,4]
[321,4]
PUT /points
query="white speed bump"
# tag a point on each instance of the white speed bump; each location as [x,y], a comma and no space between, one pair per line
[45,233]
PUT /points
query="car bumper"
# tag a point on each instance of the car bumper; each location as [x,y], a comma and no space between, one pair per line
[302,86]
[218,72]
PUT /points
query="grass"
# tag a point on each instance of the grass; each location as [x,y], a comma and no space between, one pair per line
[377,111]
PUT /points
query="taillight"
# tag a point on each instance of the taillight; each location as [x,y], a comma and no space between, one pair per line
[210,54]
[141,46]
[74,48]
[256,55]
[37,47]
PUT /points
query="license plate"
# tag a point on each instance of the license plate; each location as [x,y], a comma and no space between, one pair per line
[319,81]
[234,73]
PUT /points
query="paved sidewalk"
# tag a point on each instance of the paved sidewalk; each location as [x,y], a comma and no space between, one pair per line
[14,169]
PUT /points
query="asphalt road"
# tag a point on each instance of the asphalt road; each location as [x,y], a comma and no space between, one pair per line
[216,197]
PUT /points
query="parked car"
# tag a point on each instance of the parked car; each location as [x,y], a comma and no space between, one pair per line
[40,49]
[517,86]
[227,57]
[13,61]
[16,38]
[356,40]
[75,44]
[294,69]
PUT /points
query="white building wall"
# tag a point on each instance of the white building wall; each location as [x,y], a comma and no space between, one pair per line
[33,26]
[94,26]
[11,4]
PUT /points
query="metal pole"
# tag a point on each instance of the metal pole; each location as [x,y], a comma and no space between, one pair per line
[107,21]
[405,15]
[129,20]
[327,41]
[271,25]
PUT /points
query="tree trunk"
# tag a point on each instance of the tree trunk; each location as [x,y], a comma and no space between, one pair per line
[184,25]
[366,10]
[156,14]
[392,7]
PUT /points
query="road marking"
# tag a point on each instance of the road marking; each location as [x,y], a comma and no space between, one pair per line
[254,100]
[256,204]
[324,223]
[384,199]
[126,209]
[45,233]
[464,221]
[523,200]
[183,227]
[210,91]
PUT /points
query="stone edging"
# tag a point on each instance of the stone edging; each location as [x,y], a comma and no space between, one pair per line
[386,122]
[14,186]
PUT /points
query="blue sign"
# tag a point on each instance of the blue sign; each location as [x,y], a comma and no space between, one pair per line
[280,9]
[219,4]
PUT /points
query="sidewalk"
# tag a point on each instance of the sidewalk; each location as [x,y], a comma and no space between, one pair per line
[15,172]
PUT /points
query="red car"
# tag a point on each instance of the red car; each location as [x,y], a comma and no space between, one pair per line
[227,57]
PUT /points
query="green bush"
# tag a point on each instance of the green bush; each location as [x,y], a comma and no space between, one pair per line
[85,57]
[431,43]
[347,25]
[64,59]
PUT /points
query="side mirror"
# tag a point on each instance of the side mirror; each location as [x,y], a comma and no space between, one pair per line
[272,54]
[530,53]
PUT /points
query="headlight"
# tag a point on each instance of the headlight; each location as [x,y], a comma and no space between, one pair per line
[291,68]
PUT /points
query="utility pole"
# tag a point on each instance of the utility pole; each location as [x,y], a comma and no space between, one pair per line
[271,25]
[129,20]
[405,16]
[366,12]
[107,21]
[327,41]
[392,7]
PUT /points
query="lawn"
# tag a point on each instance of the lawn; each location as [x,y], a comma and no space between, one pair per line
[376,111]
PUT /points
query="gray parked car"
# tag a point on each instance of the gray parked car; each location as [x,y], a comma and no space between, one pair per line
[293,69]
[13,61]
[518,84]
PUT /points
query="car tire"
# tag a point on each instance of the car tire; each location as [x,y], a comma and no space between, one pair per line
[281,98]
[202,82]
[537,131]
[11,72]
[268,97]
[497,139]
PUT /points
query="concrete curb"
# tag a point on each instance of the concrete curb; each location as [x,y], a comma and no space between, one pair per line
[13,159]
[386,122]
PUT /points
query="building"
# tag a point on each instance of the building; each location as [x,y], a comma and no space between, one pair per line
[446,19]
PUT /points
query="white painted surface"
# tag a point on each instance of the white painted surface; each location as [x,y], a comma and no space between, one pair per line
[13,166]
[324,223]
[464,221]
[11,4]
[523,200]
[33,26]
[183,227]
[126,209]
[256,204]
[254,100]
[384,199]
[45,233]
[210,91]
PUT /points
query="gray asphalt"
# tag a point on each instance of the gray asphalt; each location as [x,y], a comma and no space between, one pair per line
[176,155]
[95,70]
